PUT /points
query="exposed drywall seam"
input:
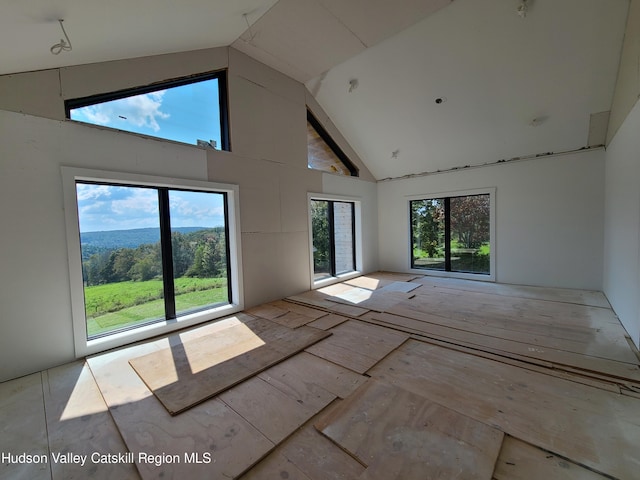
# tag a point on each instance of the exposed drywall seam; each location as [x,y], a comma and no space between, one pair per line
[497,162]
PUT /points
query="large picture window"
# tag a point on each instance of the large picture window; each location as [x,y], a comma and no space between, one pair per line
[333,232]
[189,110]
[452,234]
[148,254]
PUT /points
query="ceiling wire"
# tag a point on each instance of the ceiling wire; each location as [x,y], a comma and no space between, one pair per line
[251,35]
[496,162]
[64,45]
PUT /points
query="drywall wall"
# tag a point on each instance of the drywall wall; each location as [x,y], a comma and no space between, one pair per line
[627,88]
[622,224]
[549,217]
[35,305]
[269,163]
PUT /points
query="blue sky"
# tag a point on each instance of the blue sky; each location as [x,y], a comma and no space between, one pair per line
[108,207]
[185,114]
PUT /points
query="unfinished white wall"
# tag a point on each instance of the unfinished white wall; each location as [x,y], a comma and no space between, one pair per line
[549,218]
[35,304]
[627,88]
[269,163]
[622,224]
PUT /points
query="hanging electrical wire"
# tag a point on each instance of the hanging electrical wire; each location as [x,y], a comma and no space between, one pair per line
[64,45]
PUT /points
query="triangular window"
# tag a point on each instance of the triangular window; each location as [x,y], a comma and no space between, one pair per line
[323,153]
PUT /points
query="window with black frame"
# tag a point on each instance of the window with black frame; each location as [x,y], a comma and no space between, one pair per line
[190,110]
[333,234]
[150,253]
[451,234]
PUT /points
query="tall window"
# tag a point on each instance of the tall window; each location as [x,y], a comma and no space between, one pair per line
[452,234]
[189,110]
[150,254]
[333,236]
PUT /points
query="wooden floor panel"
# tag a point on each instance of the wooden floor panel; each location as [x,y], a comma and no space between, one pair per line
[23,427]
[210,427]
[551,369]
[575,421]
[521,461]
[401,435]
[566,295]
[307,454]
[623,371]
[79,421]
[357,346]
[187,373]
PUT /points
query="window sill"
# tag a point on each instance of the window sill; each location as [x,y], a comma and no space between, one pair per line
[159,328]
[481,277]
[331,280]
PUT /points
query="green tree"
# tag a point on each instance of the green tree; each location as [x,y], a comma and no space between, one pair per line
[470,220]
[427,218]
[320,235]
[124,261]
[183,254]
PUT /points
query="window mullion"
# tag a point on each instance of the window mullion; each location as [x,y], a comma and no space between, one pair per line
[167,254]
[447,234]
[332,238]
[353,234]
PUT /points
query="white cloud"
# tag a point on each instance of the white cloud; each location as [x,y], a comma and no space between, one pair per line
[92,192]
[140,110]
[142,201]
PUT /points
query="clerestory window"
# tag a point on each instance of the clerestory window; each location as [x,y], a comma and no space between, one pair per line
[189,110]
[323,153]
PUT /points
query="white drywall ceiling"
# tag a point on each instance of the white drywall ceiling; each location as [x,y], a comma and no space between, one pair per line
[496,71]
[102,30]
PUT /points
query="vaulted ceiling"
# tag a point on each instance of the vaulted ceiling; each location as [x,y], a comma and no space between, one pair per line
[414,85]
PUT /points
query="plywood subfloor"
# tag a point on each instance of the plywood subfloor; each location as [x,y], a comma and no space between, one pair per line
[560,419]
[187,373]
[572,330]
[401,435]
[357,345]
[573,420]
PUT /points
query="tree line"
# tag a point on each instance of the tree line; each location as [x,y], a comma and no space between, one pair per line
[201,254]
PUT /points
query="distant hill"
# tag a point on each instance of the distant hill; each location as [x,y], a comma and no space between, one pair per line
[112,239]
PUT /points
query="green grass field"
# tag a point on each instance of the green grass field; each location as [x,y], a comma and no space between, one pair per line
[119,305]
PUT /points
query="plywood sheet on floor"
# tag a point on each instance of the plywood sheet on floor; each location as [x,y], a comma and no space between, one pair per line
[309,379]
[211,427]
[566,295]
[187,373]
[402,435]
[374,281]
[294,307]
[272,411]
[277,467]
[448,329]
[357,345]
[544,311]
[404,287]
[594,427]
[307,454]
[329,321]
[24,428]
[521,461]
[78,422]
